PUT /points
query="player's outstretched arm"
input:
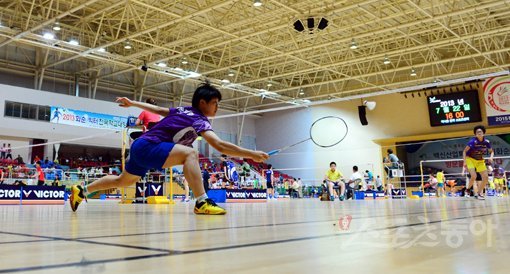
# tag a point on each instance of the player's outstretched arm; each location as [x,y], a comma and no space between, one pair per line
[126,102]
[231,149]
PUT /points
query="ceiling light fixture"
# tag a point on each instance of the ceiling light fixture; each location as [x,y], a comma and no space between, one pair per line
[74,42]
[56,26]
[184,61]
[354,45]
[257,3]
[49,36]
[128,45]
[413,72]
[386,60]
[101,50]
[161,65]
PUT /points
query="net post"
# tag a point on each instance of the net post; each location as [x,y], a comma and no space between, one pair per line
[123,163]
[421,173]
[171,192]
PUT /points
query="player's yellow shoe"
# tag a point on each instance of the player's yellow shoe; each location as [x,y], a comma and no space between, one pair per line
[209,207]
[76,197]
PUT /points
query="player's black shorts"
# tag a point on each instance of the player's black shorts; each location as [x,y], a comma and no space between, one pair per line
[269,185]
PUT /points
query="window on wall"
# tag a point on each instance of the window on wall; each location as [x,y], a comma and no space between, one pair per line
[27,111]
[44,113]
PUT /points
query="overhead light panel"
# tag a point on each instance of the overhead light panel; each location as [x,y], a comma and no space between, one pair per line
[127,45]
[231,73]
[301,92]
[354,45]
[269,84]
[161,65]
[74,42]
[386,60]
[101,50]
[225,81]
[413,72]
[257,3]
[56,26]
[49,36]
[184,61]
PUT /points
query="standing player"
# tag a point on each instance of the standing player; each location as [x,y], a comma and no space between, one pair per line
[168,144]
[270,182]
[499,180]
[440,183]
[473,154]
[334,177]
[230,171]
[147,118]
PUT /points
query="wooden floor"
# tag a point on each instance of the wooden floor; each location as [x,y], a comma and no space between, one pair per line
[448,235]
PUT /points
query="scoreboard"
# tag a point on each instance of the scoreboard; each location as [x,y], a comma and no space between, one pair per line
[454,108]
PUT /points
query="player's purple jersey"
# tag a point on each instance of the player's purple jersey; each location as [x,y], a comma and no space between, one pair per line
[181,126]
[478,149]
[499,173]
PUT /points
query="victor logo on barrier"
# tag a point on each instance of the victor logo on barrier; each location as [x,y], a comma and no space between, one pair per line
[32,192]
[10,193]
[142,190]
[256,195]
[156,189]
[238,195]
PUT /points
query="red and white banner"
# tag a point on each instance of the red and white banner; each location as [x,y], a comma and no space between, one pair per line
[497,100]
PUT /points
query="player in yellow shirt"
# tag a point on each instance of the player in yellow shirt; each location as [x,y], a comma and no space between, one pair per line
[334,178]
[440,183]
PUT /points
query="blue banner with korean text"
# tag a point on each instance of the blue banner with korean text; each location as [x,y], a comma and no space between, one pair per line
[66,116]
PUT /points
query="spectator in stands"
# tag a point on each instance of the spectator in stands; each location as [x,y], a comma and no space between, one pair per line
[56,181]
[99,171]
[205,179]
[147,118]
[2,176]
[378,183]
[19,159]
[3,151]
[39,174]
[245,170]
[46,161]
[369,179]
[37,159]
[294,188]
[9,152]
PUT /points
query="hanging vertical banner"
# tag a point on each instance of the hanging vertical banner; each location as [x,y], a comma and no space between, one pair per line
[80,118]
[497,100]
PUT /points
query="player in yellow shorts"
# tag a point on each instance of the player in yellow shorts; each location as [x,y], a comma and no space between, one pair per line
[499,180]
[440,183]
[473,154]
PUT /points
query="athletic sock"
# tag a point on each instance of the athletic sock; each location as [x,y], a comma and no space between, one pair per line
[202,198]
[85,190]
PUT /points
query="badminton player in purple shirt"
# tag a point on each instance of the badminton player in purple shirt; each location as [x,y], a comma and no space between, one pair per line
[473,154]
[168,144]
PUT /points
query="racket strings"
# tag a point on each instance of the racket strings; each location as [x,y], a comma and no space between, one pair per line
[328,131]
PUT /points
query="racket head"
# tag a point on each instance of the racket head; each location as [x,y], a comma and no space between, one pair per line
[328,131]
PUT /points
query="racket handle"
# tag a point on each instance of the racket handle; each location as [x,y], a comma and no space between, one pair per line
[273,152]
